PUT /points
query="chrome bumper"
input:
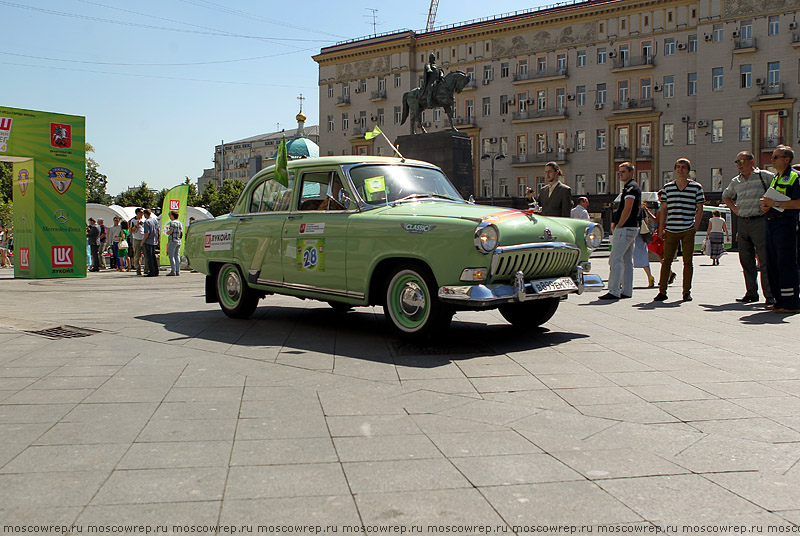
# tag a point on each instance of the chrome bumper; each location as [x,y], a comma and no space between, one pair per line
[517,291]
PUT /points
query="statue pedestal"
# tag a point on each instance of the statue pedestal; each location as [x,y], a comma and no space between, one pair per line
[451,151]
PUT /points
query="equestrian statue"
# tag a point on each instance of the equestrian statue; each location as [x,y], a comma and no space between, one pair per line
[437,90]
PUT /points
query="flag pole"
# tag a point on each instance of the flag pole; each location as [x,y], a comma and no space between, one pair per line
[403,158]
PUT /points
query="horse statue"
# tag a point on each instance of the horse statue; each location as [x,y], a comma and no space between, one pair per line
[414,102]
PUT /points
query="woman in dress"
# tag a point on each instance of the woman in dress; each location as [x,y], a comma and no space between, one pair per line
[717,234]
[122,253]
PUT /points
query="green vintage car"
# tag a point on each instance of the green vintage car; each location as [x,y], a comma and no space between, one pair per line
[394,232]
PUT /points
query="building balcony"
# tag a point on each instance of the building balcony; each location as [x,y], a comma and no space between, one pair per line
[377,96]
[556,73]
[471,84]
[633,105]
[539,115]
[622,153]
[632,63]
[770,142]
[343,101]
[796,39]
[539,159]
[358,132]
[741,45]
[771,91]
[644,153]
[468,121]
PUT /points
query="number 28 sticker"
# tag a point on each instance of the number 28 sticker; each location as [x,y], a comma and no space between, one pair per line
[311,255]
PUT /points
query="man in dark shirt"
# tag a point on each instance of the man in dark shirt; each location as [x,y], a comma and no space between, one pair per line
[93,235]
[782,232]
[625,227]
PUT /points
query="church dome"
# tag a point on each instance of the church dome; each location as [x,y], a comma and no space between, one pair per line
[301,148]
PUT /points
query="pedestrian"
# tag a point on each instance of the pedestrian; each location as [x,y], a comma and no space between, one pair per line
[152,234]
[175,233]
[581,210]
[123,244]
[4,262]
[113,236]
[680,217]
[743,196]
[716,235]
[136,230]
[641,255]
[625,228]
[782,218]
[93,236]
[103,240]
[555,198]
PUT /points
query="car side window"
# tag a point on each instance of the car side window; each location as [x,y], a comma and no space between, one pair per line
[255,199]
[314,190]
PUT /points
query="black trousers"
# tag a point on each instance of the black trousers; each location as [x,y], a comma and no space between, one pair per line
[95,249]
[782,261]
[150,259]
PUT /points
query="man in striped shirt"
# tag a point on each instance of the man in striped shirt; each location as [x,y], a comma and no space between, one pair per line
[679,219]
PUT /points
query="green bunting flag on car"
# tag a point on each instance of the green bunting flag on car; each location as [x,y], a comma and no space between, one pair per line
[374,132]
[281,164]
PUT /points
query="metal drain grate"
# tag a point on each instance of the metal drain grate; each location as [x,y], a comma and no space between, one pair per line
[63,332]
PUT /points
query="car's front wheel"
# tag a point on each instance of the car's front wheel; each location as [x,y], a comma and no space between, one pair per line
[236,299]
[411,306]
[529,314]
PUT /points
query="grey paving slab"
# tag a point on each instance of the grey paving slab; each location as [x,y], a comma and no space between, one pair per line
[178,517]
[403,475]
[377,448]
[188,430]
[39,515]
[281,427]
[176,454]
[371,425]
[514,469]
[283,451]
[33,413]
[59,458]
[460,444]
[445,510]
[162,485]
[283,481]
[621,463]
[91,433]
[336,510]
[49,489]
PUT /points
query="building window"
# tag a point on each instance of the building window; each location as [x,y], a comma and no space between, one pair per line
[522,68]
[647,50]
[580,141]
[716,131]
[541,142]
[437,114]
[716,179]
[398,114]
[601,183]
[330,91]
[669,46]
[345,122]
[622,24]
[645,89]
[601,56]
[541,64]
[488,74]
[669,134]
[745,124]
[561,98]
[774,25]
[669,87]
[503,104]
[581,58]
[622,91]
[522,145]
[522,102]
[691,85]
[691,133]
[541,99]
[346,91]
[398,81]
[330,123]
[469,108]
[380,116]
[471,74]
[774,73]
[580,184]
[580,96]
[746,76]
[601,139]
[746,29]
[487,106]
[503,145]
[504,70]
[717,33]
[601,93]
[692,43]
[381,83]
[362,86]
[716,79]
[561,62]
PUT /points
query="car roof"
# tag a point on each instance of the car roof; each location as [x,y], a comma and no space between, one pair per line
[348,160]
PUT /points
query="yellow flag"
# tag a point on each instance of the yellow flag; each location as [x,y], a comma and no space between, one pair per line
[374,132]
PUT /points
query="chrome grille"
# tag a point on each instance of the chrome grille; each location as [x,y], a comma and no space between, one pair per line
[535,261]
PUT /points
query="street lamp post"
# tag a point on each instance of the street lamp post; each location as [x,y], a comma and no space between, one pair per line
[492,157]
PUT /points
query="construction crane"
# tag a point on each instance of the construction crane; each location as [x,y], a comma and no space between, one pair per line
[432,15]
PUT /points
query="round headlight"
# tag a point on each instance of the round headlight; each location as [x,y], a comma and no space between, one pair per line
[593,235]
[486,237]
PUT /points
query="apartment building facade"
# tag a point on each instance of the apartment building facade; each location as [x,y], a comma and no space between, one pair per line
[588,85]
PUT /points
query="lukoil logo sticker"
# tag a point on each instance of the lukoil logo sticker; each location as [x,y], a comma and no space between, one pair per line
[62,256]
[217,240]
[60,135]
[5,132]
[61,179]
[24,258]
[174,204]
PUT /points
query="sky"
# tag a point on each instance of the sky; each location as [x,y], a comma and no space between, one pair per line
[162,82]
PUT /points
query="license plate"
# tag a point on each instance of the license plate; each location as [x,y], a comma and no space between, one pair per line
[545,286]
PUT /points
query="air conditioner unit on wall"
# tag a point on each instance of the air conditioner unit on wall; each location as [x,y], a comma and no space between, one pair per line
[735,34]
[681,46]
[549,149]
[357,90]
[657,88]
[702,123]
[783,113]
[570,150]
[487,81]
[793,25]
[511,101]
[570,96]
[492,140]
[598,106]
[612,54]
[760,81]
[685,118]
[708,37]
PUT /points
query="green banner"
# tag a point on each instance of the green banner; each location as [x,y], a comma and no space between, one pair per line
[49,163]
[174,200]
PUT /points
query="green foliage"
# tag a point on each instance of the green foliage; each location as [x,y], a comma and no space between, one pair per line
[226,197]
[159,198]
[6,212]
[209,194]
[194,198]
[140,197]
[6,181]
[96,182]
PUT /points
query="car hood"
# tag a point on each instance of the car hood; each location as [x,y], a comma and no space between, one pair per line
[515,226]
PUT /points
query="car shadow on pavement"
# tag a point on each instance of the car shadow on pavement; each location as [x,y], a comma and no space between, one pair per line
[764,317]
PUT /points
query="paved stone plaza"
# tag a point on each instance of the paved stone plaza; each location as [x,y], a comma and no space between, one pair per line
[174,418]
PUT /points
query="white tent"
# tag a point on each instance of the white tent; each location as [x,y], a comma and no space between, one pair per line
[98,211]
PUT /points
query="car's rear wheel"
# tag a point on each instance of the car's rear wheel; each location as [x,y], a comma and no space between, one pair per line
[529,314]
[411,306]
[236,299]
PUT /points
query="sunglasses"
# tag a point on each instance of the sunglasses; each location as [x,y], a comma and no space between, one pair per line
[741,160]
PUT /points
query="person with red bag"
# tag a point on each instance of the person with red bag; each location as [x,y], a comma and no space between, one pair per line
[656,245]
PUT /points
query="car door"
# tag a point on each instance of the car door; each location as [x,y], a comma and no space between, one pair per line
[258,232]
[315,236]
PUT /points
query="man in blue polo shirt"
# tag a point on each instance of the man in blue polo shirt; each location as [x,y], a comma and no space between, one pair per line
[782,217]
[152,234]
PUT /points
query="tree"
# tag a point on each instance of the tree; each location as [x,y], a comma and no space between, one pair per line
[194,197]
[96,182]
[140,197]
[208,196]
[6,212]
[226,197]
[6,181]
[159,198]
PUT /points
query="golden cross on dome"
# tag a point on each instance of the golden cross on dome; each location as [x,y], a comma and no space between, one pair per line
[301,98]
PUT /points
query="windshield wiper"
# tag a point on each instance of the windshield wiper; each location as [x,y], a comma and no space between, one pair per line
[410,197]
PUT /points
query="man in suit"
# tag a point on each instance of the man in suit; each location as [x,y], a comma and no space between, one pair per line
[556,197]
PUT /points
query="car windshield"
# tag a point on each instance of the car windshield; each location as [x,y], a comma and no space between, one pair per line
[381,184]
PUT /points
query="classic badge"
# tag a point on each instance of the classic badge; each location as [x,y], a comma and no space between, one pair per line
[548,235]
[60,135]
[417,228]
[22,180]
[61,179]
[5,132]
[61,216]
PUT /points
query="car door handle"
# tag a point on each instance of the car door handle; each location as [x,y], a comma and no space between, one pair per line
[294,216]
[245,219]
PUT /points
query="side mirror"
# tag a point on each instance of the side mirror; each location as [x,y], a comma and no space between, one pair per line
[344,199]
